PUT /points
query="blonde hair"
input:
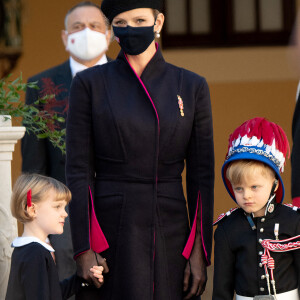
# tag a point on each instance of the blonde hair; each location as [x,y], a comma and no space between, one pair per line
[39,185]
[155,13]
[239,169]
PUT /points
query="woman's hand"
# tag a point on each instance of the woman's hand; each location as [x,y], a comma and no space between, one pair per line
[195,275]
[85,262]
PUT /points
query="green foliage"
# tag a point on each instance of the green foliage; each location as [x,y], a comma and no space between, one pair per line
[36,120]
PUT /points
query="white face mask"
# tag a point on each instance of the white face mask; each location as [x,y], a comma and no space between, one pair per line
[87,44]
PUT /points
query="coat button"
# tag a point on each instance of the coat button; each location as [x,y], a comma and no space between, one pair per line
[262,289]
[260,253]
[260,265]
[262,220]
[260,240]
[261,230]
[263,276]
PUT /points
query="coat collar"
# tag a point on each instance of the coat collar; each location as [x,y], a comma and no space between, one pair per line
[155,65]
[25,240]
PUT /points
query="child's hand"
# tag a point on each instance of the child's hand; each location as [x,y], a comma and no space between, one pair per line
[97,272]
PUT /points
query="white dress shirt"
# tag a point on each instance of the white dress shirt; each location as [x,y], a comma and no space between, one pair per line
[77,67]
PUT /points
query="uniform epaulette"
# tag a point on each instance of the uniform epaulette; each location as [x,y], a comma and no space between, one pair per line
[223,215]
[295,208]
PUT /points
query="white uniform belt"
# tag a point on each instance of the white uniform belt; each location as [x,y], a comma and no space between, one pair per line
[291,295]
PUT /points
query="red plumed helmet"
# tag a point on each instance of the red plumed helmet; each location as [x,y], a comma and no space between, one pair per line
[261,140]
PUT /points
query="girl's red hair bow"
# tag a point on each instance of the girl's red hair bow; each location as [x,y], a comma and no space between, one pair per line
[29,203]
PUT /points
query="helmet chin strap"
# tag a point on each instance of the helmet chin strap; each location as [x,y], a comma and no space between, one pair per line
[274,187]
[270,201]
[272,196]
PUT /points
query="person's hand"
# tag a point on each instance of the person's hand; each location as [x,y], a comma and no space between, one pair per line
[195,275]
[85,262]
[97,272]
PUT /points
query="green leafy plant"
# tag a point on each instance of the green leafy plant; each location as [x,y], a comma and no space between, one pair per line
[36,120]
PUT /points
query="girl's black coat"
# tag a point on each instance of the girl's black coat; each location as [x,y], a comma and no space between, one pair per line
[33,276]
[132,155]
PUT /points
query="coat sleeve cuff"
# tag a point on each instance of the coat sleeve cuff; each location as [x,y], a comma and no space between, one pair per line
[296,201]
[78,254]
[98,242]
[191,240]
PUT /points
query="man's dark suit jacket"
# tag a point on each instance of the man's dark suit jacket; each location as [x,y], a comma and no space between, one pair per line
[38,154]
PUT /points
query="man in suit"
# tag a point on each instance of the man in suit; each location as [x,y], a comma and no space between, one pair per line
[86,38]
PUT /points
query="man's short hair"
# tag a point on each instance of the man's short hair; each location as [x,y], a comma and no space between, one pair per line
[86,4]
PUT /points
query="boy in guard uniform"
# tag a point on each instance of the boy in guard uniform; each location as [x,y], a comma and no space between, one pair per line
[254,243]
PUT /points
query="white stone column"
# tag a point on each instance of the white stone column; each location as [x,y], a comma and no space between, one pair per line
[8,225]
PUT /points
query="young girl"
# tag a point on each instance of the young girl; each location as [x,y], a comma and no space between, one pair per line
[254,243]
[39,203]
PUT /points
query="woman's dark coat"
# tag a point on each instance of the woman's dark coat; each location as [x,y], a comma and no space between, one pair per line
[131,153]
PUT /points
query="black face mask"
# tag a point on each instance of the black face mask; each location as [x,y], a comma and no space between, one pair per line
[134,40]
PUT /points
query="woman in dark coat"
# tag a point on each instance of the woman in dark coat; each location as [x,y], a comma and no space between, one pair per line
[132,124]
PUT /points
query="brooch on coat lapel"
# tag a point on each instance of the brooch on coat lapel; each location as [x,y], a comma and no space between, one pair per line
[180,104]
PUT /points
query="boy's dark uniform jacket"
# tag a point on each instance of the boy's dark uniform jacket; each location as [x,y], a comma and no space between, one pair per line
[131,153]
[295,159]
[238,254]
